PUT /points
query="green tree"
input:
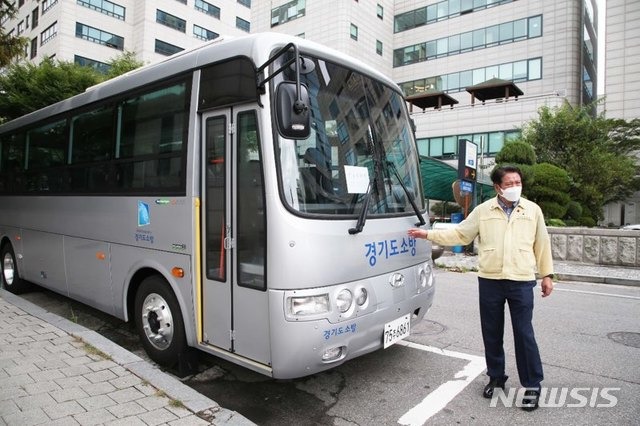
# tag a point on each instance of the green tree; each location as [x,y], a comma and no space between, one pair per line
[11,46]
[550,190]
[521,155]
[122,64]
[444,208]
[593,150]
[27,87]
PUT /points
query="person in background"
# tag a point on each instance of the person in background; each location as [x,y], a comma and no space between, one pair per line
[513,242]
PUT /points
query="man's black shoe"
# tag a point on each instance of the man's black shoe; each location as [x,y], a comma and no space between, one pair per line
[530,400]
[495,382]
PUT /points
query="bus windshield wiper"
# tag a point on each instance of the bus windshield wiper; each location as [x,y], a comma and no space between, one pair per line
[362,218]
[392,166]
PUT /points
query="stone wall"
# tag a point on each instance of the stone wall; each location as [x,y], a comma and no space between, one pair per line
[596,245]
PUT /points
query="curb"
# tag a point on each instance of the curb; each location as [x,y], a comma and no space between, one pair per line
[597,279]
[194,401]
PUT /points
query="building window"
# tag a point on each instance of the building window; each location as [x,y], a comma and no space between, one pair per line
[182,1]
[203,33]
[104,6]
[20,27]
[526,70]
[481,38]
[49,33]
[34,18]
[171,21]
[447,147]
[20,3]
[440,11]
[166,49]
[380,11]
[354,32]
[207,8]
[379,47]
[95,35]
[301,35]
[242,24]
[34,47]
[101,67]
[246,3]
[48,4]
[287,12]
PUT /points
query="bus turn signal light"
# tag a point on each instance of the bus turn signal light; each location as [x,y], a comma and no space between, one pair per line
[177,272]
[101,256]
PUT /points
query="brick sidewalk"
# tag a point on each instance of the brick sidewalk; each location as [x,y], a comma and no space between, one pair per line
[48,376]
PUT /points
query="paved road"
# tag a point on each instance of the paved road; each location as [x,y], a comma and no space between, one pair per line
[589,337]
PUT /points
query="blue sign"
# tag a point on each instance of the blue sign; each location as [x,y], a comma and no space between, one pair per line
[143,214]
[466,186]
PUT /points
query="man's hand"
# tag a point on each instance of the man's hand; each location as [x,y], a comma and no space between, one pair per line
[418,233]
[547,286]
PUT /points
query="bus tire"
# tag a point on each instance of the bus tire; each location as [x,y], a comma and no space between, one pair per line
[10,277]
[159,321]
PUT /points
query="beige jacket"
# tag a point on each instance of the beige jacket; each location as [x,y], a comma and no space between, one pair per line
[509,249]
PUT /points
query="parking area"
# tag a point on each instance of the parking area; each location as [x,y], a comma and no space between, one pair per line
[588,337]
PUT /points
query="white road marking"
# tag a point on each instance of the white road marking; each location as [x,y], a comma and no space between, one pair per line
[443,394]
[598,293]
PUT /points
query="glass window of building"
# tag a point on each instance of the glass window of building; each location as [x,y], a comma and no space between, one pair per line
[380,11]
[97,65]
[171,21]
[34,47]
[96,35]
[166,49]
[203,33]
[246,3]
[208,8]
[49,33]
[535,69]
[379,47]
[535,26]
[287,12]
[48,4]
[104,6]
[354,32]
[242,24]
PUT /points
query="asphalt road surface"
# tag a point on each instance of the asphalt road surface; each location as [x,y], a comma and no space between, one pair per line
[588,334]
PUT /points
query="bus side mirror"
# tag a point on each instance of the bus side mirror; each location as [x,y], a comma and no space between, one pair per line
[292,115]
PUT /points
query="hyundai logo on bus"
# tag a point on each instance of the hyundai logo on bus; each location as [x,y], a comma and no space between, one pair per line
[396,280]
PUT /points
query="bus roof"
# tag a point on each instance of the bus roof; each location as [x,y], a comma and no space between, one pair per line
[257,47]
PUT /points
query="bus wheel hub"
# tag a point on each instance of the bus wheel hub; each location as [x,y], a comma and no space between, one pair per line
[157,321]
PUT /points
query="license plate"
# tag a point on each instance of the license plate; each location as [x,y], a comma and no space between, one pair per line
[396,330]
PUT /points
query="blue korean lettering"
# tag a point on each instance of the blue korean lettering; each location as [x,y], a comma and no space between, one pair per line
[383,248]
[403,246]
[371,250]
[394,247]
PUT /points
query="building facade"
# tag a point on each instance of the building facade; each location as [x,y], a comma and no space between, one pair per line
[92,32]
[622,87]
[546,47]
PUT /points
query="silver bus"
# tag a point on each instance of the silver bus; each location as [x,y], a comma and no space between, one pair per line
[249,198]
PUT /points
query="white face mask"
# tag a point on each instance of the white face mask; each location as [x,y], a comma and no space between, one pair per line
[512,193]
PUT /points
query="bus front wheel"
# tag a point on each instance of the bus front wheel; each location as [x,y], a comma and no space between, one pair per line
[159,321]
[10,278]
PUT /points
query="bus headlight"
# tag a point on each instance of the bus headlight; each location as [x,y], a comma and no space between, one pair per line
[309,305]
[361,296]
[344,300]
[425,277]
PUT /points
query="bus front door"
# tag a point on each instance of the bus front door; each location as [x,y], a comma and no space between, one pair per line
[235,304]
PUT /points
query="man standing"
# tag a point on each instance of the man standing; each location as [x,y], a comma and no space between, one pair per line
[513,241]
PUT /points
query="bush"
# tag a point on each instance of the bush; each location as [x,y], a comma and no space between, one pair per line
[574,210]
[571,222]
[552,210]
[587,221]
[516,153]
[555,222]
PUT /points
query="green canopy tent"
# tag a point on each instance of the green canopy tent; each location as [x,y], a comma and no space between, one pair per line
[438,178]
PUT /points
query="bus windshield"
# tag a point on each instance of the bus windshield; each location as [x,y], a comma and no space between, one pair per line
[360,137]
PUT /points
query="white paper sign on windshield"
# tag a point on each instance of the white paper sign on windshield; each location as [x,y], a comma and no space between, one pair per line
[357,179]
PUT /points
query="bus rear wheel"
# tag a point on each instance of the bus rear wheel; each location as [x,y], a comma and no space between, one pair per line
[10,278]
[159,321]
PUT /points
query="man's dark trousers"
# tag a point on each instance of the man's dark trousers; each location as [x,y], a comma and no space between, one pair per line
[519,295]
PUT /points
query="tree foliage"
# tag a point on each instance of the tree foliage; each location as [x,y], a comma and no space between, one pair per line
[593,150]
[550,190]
[11,46]
[27,87]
